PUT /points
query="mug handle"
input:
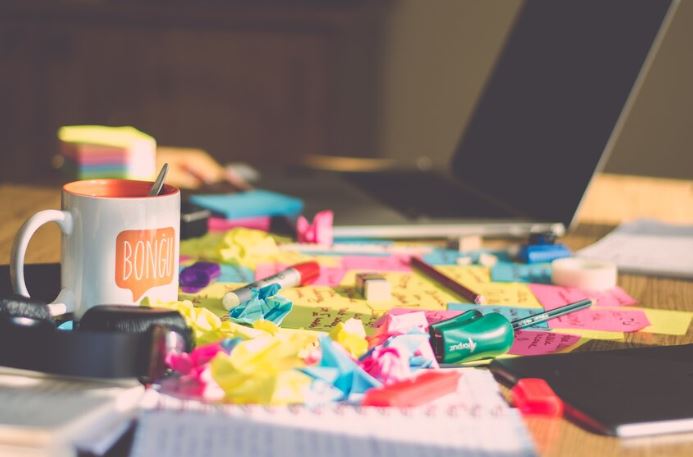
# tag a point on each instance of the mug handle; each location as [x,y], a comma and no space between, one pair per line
[65,301]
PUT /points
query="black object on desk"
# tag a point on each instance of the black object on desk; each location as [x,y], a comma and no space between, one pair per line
[626,393]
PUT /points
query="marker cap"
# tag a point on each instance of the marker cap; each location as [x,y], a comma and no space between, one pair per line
[309,271]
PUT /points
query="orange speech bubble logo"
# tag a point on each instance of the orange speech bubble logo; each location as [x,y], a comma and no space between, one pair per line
[144,259]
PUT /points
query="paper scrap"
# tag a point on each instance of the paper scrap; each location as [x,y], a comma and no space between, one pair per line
[336,367]
[387,364]
[521,272]
[606,319]
[352,336]
[263,370]
[529,342]
[319,231]
[555,296]
[264,304]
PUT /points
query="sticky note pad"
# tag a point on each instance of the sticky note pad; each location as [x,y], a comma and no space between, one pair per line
[253,203]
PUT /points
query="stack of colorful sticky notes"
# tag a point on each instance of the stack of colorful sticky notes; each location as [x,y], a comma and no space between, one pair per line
[96,151]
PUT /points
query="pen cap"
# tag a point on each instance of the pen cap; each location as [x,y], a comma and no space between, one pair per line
[483,337]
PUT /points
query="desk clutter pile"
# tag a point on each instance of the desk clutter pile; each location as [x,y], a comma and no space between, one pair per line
[359,332]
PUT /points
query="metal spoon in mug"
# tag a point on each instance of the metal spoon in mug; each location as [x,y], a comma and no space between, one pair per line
[159,183]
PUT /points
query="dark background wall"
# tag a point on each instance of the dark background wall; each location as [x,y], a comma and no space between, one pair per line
[269,81]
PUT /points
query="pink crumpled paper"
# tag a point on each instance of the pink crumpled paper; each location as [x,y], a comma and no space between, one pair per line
[319,231]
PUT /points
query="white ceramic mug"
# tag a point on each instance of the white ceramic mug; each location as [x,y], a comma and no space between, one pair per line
[119,244]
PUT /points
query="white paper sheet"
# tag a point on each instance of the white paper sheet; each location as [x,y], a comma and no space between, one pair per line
[475,421]
[647,247]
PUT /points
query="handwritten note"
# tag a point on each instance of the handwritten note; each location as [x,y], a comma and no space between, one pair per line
[555,296]
[538,343]
[510,312]
[409,291]
[666,322]
[521,272]
[606,319]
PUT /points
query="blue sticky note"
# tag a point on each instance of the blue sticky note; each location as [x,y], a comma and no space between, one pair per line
[252,203]
[509,312]
[439,256]
[521,272]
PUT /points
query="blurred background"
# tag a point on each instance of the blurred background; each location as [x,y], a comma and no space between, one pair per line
[267,82]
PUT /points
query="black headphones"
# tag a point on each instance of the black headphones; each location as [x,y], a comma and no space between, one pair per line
[111,341]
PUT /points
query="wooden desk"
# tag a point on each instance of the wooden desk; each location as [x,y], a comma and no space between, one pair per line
[611,199]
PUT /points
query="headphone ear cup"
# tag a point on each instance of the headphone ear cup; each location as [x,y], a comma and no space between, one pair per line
[134,319]
[25,311]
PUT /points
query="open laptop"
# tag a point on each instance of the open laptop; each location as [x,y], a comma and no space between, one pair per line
[544,125]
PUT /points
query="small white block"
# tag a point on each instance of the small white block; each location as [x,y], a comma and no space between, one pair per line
[469,243]
[488,260]
[373,287]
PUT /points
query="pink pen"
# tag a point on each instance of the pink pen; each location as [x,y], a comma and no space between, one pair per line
[295,275]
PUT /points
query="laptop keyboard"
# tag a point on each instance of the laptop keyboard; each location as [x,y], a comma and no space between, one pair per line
[423,195]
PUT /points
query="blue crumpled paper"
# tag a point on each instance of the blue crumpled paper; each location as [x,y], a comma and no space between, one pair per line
[265,304]
[337,368]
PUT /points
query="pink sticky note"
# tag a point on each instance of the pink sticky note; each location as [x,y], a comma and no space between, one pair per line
[431,315]
[319,231]
[375,263]
[555,296]
[539,342]
[606,319]
[219,224]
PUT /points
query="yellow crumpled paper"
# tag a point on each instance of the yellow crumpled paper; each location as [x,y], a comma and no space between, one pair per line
[207,327]
[240,246]
[263,369]
[352,336]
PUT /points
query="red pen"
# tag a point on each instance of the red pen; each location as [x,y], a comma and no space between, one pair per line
[295,275]
[414,392]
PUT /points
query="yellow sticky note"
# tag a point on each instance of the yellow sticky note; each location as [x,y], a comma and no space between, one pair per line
[664,321]
[508,293]
[469,276]
[591,334]
[408,291]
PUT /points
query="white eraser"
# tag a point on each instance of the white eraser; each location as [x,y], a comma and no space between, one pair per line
[469,243]
[373,287]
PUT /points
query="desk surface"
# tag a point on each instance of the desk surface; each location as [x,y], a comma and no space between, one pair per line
[612,199]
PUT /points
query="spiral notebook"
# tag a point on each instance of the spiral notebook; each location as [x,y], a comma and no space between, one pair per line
[474,421]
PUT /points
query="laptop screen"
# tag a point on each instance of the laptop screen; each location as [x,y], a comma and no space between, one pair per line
[545,117]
